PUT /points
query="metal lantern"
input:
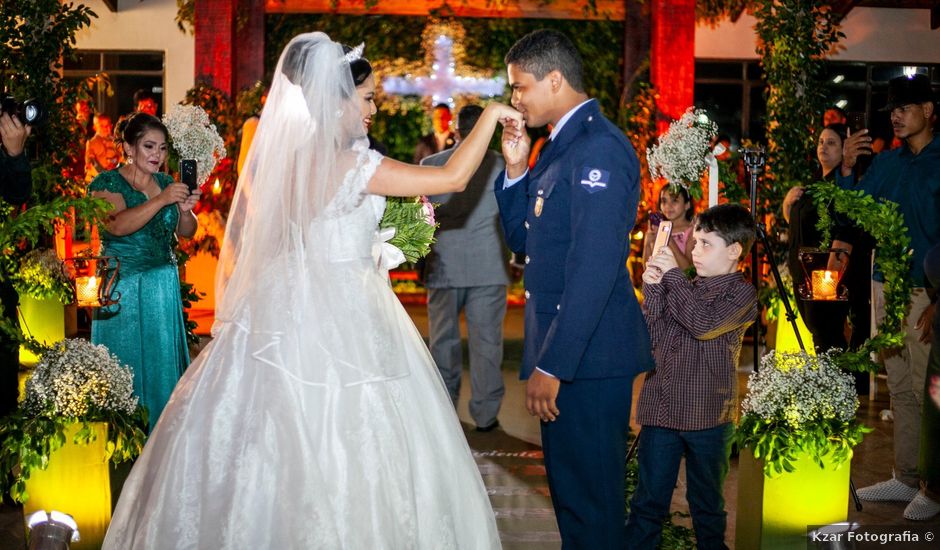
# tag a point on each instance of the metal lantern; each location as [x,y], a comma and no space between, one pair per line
[822,274]
[93,279]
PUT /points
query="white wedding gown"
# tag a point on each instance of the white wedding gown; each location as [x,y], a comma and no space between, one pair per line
[338,434]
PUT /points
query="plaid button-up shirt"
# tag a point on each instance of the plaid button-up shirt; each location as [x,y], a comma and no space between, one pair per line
[696,328]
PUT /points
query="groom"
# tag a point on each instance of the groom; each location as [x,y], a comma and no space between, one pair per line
[585,338]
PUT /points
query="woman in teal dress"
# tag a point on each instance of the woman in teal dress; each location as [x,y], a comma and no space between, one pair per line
[145,328]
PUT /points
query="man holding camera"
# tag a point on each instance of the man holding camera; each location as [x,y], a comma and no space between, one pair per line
[15,188]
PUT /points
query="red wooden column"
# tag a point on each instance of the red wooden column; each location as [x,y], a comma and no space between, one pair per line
[215,43]
[672,57]
[249,49]
[229,57]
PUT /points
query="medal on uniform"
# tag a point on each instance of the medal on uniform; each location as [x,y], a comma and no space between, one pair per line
[539,202]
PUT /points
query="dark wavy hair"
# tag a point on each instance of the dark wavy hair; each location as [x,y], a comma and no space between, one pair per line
[139,124]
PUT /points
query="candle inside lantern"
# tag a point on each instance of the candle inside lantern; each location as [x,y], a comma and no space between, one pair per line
[86,291]
[824,284]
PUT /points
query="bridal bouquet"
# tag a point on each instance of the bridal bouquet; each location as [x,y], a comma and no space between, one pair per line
[412,218]
[75,382]
[193,136]
[799,403]
[679,157]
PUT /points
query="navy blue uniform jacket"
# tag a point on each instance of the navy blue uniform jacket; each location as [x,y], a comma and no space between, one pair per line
[582,319]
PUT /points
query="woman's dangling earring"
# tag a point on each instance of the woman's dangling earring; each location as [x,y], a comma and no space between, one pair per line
[130,160]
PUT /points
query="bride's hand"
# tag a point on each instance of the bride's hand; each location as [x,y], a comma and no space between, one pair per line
[510,118]
[515,143]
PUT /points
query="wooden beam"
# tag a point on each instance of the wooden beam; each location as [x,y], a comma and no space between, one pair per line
[636,42]
[558,9]
[899,4]
[842,7]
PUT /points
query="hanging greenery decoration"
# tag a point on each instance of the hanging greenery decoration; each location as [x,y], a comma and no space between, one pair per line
[885,224]
[794,38]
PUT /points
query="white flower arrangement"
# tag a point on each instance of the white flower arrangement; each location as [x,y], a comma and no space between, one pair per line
[679,156]
[800,389]
[193,136]
[76,377]
[799,403]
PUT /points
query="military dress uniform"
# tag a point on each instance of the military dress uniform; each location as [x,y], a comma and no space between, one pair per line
[572,215]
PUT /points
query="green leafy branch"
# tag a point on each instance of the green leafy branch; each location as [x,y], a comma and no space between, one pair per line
[27,441]
[882,220]
[413,234]
[779,445]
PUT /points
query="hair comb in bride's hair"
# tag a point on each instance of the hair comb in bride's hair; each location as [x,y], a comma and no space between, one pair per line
[355,53]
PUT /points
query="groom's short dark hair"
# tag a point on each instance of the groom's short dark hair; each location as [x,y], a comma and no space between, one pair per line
[543,51]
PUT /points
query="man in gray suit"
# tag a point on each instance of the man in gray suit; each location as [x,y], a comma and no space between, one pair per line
[467,271]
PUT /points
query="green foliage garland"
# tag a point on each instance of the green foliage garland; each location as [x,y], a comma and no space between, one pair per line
[885,224]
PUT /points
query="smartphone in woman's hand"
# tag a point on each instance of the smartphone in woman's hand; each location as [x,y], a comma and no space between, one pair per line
[188,173]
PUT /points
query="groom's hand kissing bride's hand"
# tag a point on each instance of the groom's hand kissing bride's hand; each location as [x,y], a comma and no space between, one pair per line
[540,393]
[515,140]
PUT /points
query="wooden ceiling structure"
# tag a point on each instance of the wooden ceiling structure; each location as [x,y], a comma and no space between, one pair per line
[843,7]
[559,9]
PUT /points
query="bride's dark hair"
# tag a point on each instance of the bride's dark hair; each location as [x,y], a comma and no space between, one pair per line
[360,68]
[295,58]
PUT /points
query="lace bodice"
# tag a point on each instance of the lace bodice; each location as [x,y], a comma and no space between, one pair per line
[347,230]
[151,245]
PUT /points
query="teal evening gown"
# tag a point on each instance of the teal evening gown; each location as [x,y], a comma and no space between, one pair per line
[145,328]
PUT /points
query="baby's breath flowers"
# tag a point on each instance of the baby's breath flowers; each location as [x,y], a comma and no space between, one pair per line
[76,377]
[679,155]
[799,402]
[75,383]
[193,136]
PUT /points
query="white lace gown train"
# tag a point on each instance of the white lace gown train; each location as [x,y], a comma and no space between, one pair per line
[334,432]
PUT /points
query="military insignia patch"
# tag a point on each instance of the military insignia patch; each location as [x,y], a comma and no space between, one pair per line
[539,203]
[594,179]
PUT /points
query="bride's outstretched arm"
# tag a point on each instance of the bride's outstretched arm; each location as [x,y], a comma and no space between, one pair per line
[400,179]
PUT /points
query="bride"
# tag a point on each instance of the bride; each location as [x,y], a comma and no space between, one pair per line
[316,417]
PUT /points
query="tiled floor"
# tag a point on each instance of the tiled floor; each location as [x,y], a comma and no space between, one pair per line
[510,462]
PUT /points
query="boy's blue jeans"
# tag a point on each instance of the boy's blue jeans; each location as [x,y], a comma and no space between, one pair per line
[706,466]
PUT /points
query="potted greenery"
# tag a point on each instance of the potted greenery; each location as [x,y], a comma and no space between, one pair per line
[77,413]
[796,436]
[44,291]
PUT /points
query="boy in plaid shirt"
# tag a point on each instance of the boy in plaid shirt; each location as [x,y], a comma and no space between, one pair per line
[687,403]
